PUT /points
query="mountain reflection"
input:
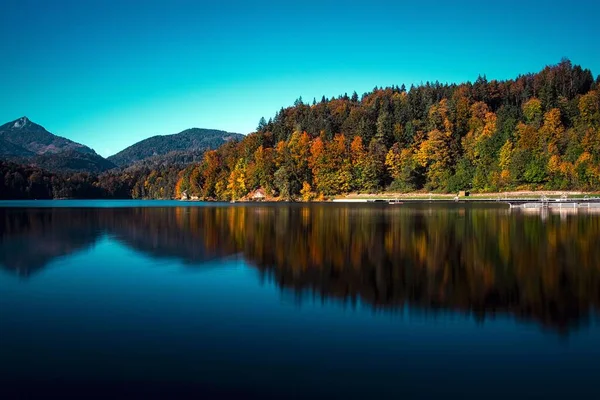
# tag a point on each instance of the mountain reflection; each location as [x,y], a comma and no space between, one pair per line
[478,260]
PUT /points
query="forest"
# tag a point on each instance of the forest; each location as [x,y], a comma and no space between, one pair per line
[536,132]
[137,182]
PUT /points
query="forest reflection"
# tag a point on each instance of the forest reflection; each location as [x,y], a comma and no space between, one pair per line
[478,260]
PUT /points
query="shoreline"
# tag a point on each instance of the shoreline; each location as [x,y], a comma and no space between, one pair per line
[533,195]
[384,196]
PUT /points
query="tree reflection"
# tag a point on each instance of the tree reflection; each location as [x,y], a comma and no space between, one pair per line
[469,259]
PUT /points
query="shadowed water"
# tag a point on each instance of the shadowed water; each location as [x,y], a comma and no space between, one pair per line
[281,300]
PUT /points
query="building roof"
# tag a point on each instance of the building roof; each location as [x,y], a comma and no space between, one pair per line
[259,193]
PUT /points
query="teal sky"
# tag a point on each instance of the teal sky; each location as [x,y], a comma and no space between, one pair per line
[110,73]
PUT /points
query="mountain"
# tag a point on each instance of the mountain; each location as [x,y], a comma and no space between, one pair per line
[27,142]
[194,140]
[34,138]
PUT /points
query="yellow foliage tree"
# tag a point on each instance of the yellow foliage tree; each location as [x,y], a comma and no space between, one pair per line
[589,107]
[393,161]
[306,192]
[482,126]
[434,154]
[237,181]
[552,130]
[532,110]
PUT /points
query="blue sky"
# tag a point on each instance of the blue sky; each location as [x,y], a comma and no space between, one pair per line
[110,73]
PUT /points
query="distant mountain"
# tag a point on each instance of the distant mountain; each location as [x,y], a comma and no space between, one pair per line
[27,142]
[192,141]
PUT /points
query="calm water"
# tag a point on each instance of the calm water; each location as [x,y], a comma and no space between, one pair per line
[160,299]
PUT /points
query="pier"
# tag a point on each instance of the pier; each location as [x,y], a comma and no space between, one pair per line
[525,203]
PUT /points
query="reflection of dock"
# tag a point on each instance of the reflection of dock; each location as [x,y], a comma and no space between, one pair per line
[557,205]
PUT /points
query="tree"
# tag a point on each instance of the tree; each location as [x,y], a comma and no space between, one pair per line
[532,110]
[480,147]
[374,169]
[236,184]
[299,153]
[403,169]
[506,153]
[434,155]
[385,128]
[281,180]
[211,168]
[262,125]
[306,192]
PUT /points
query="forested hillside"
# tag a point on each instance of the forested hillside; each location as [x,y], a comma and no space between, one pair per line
[538,131]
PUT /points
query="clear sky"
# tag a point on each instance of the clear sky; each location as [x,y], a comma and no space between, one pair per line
[110,73]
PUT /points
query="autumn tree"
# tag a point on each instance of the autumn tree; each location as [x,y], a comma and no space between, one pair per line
[236,184]
[480,148]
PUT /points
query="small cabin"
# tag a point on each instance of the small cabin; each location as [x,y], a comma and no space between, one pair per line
[463,193]
[259,195]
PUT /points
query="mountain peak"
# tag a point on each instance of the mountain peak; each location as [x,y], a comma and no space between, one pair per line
[20,123]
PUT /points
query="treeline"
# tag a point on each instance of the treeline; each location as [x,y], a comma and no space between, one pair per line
[539,131]
[30,182]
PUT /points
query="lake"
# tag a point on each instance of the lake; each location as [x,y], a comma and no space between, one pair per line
[208,300]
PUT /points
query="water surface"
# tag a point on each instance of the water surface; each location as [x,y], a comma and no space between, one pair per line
[171,298]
